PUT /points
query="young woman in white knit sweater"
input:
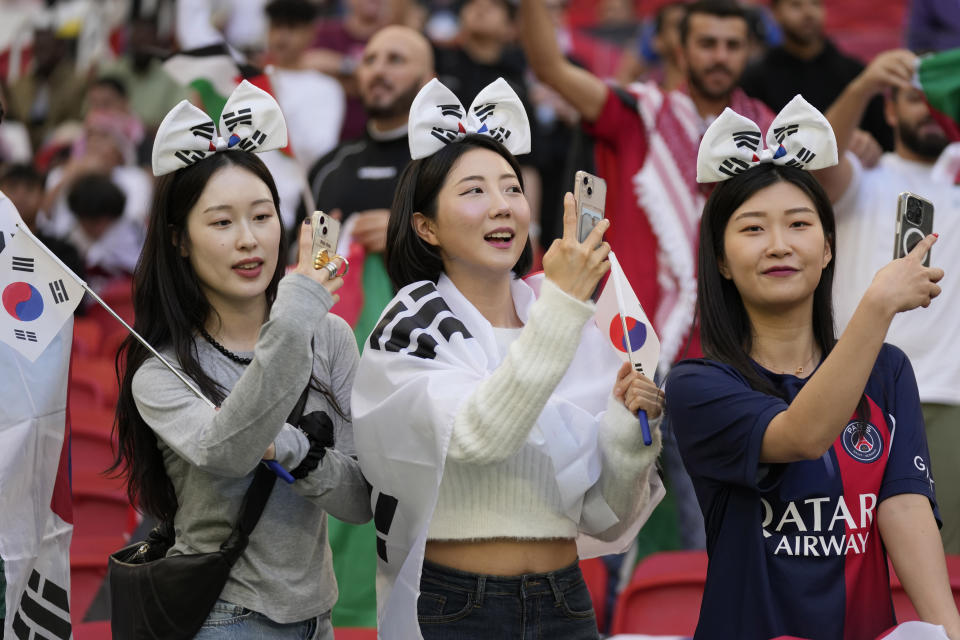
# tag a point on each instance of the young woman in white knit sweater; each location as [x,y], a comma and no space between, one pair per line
[507,384]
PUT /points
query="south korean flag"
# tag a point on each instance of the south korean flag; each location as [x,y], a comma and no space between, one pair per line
[38,293]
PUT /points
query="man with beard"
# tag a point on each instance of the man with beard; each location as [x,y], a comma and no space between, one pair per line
[808,63]
[646,146]
[865,203]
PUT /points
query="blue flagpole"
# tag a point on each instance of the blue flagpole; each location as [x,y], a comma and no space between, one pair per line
[645,428]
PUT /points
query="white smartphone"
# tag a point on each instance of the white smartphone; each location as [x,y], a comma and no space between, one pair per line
[914,223]
[326,234]
[590,193]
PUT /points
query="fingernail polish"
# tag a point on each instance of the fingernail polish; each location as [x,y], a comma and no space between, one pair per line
[306,221]
[936,235]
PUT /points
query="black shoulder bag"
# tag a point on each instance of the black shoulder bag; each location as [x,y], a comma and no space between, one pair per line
[153,597]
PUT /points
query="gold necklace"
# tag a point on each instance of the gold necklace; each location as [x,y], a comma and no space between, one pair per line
[797,372]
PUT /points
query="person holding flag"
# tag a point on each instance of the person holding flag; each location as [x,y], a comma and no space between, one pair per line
[807,452]
[495,423]
[923,107]
[210,294]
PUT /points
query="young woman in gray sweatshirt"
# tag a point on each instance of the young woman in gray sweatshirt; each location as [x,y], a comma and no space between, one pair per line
[210,294]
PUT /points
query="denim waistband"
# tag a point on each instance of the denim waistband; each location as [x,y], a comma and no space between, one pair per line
[526,585]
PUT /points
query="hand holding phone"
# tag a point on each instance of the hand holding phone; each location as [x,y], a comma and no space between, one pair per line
[590,193]
[326,235]
[914,223]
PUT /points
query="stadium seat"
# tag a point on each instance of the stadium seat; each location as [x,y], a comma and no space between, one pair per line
[901,602]
[664,594]
[95,419]
[96,374]
[87,337]
[118,295]
[90,451]
[596,576]
[88,568]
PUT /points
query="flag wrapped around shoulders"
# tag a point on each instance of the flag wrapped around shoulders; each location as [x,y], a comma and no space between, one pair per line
[426,356]
[34,481]
[938,76]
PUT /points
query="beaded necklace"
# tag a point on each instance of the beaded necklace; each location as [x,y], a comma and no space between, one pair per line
[222,349]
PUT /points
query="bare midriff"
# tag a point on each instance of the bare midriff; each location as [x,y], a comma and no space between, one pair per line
[503,557]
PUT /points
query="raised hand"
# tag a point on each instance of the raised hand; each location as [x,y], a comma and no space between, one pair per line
[305,262]
[636,391]
[573,266]
[906,284]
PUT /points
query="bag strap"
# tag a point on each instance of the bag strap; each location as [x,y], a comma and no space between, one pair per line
[255,499]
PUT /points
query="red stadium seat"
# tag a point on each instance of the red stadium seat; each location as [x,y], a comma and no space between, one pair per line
[901,602]
[664,595]
[97,374]
[95,419]
[91,451]
[102,509]
[87,336]
[88,568]
[596,576]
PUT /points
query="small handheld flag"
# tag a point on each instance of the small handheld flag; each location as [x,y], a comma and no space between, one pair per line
[621,318]
[937,76]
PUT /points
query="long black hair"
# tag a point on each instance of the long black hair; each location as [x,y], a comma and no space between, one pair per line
[725,330]
[409,257]
[169,306]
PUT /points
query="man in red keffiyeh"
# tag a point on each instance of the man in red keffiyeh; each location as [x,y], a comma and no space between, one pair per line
[647,142]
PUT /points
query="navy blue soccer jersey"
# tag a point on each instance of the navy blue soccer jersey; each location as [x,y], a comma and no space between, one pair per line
[794,549]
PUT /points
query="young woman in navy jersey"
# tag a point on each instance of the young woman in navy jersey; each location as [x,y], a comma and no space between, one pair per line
[807,452]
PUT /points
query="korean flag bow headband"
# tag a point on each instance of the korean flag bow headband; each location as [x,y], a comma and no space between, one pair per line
[437,118]
[251,121]
[798,137]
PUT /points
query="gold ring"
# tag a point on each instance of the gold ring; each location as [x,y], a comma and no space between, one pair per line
[346,265]
[321,260]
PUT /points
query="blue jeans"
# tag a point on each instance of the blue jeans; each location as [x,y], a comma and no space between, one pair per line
[457,605]
[228,621]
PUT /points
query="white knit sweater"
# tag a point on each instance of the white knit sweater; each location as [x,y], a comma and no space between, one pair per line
[495,484]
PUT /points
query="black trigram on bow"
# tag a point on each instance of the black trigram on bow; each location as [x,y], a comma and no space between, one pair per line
[732,166]
[252,142]
[44,611]
[425,314]
[499,134]
[204,130]
[189,156]
[26,336]
[747,139]
[446,136]
[22,264]
[383,514]
[451,110]
[801,158]
[484,111]
[786,130]
[236,118]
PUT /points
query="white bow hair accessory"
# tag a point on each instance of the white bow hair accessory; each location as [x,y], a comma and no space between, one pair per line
[251,121]
[438,118]
[798,137]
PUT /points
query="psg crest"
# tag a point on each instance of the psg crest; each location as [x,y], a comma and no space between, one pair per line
[862,441]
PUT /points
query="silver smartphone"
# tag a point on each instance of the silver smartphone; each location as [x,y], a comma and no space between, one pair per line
[326,234]
[590,193]
[914,223]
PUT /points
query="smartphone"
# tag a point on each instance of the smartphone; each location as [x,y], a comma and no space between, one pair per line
[590,193]
[326,234]
[914,223]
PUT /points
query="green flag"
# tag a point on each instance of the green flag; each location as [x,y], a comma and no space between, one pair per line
[938,75]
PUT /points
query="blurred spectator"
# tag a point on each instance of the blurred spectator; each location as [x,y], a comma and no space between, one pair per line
[151,90]
[51,92]
[808,63]
[107,147]
[337,46]
[109,242]
[656,56]
[616,22]
[14,137]
[933,25]
[201,23]
[312,102]
[24,186]
[865,205]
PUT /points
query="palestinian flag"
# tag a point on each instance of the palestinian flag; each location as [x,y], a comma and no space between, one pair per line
[213,73]
[938,75]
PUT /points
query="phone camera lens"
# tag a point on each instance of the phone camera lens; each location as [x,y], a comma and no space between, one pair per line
[586,180]
[914,212]
[324,231]
[589,191]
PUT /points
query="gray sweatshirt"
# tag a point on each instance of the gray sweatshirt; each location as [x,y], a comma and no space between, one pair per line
[286,572]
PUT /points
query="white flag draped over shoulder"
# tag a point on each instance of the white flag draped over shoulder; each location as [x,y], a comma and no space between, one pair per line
[38,293]
[35,527]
